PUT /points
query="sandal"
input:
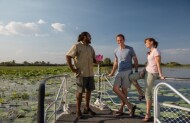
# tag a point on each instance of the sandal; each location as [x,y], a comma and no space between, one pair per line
[79,115]
[147,119]
[132,112]
[118,113]
[89,111]
[141,97]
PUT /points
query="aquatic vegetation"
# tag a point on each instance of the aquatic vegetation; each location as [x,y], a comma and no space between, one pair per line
[28,72]
[1,100]
[15,95]
[19,91]
[25,96]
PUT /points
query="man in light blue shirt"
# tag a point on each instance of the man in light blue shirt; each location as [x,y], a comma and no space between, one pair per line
[123,61]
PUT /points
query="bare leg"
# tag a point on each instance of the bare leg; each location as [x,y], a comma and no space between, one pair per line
[79,100]
[137,86]
[147,117]
[148,108]
[133,78]
[124,91]
[88,95]
[122,96]
[122,105]
[87,109]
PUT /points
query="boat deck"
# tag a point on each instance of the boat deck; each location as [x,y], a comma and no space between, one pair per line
[103,116]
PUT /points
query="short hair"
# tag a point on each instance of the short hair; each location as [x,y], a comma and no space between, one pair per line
[121,35]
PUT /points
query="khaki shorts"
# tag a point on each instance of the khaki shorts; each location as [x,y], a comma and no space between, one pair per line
[85,83]
[122,79]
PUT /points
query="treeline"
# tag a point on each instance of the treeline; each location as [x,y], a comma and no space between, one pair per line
[26,63]
[170,64]
[105,62]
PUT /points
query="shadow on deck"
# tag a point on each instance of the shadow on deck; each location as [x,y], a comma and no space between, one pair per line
[103,116]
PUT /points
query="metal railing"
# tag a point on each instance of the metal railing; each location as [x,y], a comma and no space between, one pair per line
[103,84]
[42,112]
[157,104]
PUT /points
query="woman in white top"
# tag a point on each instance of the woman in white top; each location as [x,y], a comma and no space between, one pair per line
[153,71]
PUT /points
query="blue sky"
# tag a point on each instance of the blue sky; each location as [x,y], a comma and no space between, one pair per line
[44,30]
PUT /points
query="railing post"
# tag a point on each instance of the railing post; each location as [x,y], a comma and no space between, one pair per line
[41,96]
[99,81]
[155,103]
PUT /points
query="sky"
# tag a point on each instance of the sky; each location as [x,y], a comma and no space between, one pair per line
[44,30]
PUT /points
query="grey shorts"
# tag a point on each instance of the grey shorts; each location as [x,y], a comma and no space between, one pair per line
[85,83]
[122,79]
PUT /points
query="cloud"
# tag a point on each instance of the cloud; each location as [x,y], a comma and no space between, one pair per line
[58,27]
[28,28]
[19,28]
[41,21]
[176,51]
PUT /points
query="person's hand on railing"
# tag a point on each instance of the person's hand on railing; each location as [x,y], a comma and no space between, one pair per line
[110,75]
[162,77]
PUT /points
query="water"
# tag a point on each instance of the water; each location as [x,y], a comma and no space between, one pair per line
[181,72]
[177,72]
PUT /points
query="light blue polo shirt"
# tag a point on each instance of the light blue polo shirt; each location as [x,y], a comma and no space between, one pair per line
[124,58]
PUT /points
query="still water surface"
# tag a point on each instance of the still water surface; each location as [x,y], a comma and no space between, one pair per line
[177,72]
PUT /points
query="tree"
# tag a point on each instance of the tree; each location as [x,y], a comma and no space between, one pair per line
[173,64]
[26,63]
[107,61]
[13,62]
[43,63]
[36,63]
